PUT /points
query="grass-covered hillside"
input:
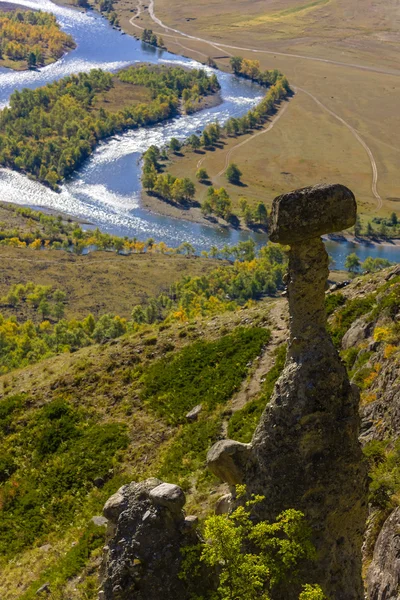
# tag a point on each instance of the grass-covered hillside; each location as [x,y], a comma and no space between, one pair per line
[77,426]
[79,421]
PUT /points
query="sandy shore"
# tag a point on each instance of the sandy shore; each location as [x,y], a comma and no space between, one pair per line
[347,237]
[167,209]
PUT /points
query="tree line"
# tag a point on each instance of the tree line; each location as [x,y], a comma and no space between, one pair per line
[32,36]
[50,131]
[379,227]
[217,202]
[149,37]
[253,274]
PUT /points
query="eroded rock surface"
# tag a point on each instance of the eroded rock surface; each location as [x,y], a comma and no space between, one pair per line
[147,530]
[305,452]
[383,578]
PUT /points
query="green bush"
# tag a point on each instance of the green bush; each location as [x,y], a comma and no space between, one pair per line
[243,423]
[333,301]
[384,462]
[204,372]
[344,317]
[55,454]
[188,451]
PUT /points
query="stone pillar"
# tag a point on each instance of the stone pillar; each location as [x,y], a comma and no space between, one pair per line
[305,452]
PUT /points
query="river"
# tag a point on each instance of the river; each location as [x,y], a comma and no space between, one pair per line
[106,190]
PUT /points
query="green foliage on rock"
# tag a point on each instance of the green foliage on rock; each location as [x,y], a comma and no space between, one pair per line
[348,313]
[384,460]
[252,558]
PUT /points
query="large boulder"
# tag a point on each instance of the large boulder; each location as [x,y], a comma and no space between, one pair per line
[228,459]
[358,332]
[146,533]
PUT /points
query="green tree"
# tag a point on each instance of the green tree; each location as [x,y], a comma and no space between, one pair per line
[236,64]
[383,230]
[149,178]
[58,311]
[375,264]
[261,213]
[175,145]
[370,231]
[352,263]
[206,208]
[194,142]
[205,139]
[394,219]
[44,308]
[31,60]
[233,174]
[312,592]
[186,248]
[202,175]
[357,227]
[251,557]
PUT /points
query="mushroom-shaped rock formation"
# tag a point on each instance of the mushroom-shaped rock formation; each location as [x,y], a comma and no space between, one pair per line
[305,452]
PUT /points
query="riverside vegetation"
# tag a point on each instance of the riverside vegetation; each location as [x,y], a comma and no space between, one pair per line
[30,39]
[181,191]
[50,131]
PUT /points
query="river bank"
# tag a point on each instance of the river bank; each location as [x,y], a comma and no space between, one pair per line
[106,190]
[346,237]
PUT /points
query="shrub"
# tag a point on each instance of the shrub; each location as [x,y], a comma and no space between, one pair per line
[233,174]
[204,372]
[60,453]
[243,423]
[251,558]
[344,317]
[333,301]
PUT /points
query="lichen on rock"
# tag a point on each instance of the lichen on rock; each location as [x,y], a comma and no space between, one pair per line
[147,531]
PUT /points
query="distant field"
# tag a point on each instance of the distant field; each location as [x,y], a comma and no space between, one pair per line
[308,144]
[112,283]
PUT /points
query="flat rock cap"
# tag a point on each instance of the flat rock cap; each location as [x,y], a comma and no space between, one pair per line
[168,495]
[311,212]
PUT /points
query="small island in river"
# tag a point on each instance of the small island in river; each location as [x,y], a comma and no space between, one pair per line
[49,132]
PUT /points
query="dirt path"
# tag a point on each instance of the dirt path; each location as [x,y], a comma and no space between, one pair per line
[251,386]
[368,150]
[395,72]
[266,130]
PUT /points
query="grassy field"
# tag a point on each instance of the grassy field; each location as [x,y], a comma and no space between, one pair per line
[100,282]
[308,144]
[122,95]
[97,283]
